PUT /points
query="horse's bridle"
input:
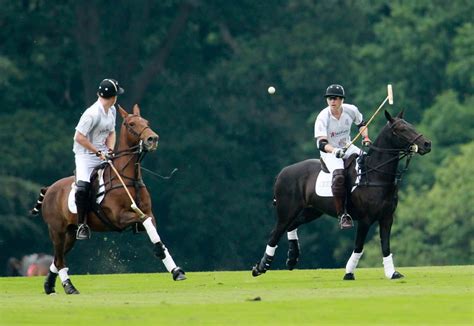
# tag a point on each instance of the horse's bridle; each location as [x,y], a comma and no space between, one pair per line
[133,132]
[405,152]
[412,147]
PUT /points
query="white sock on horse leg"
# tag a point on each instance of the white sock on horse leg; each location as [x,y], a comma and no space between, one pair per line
[352,262]
[168,261]
[292,235]
[53,268]
[388,266]
[151,230]
[63,274]
[270,251]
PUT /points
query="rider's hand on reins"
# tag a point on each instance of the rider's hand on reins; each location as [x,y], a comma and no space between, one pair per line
[104,156]
[339,152]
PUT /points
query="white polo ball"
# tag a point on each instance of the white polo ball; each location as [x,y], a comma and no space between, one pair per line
[271,90]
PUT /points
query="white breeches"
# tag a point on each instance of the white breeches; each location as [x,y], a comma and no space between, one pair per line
[334,163]
[85,163]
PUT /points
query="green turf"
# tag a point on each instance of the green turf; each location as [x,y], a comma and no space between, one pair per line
[426,296]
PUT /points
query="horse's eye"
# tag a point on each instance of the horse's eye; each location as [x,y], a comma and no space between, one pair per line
[132,124]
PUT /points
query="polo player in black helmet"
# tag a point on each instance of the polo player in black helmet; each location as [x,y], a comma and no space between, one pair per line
[332,130]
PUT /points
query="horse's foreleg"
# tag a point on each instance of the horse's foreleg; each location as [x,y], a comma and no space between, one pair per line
[385,226]
[362,230]
[293,249]
[58,266]
[162,252]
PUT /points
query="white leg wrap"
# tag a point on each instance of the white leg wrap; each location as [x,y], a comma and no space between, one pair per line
[292,235]
[151,230]
[63,274]
[270,251]
[168,261]
[352,262]
[53,268]
[388,266]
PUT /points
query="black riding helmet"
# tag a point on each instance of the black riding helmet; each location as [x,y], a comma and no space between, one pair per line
[109,88]
[335,90]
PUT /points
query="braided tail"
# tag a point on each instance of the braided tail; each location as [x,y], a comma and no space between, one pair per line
[35,210]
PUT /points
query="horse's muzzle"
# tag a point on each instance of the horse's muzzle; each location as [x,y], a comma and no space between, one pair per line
[151,143]
[424,147]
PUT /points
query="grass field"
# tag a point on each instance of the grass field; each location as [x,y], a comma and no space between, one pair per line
[426,296]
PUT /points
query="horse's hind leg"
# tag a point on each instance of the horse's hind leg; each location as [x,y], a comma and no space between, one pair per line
[294,250]
[285,216]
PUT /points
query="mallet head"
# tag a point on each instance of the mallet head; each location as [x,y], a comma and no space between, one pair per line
[390,94]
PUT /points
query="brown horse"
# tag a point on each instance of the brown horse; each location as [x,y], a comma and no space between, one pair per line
[115,212]
[374,198]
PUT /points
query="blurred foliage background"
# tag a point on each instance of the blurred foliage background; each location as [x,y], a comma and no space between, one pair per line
[200,70]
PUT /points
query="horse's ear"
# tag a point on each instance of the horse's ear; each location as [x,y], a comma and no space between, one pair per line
[388,116]
[123,113]
[136,110]
[400,114]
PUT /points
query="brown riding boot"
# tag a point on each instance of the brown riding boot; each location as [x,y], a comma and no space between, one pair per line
[339,193]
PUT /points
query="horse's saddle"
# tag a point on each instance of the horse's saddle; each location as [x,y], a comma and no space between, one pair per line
[324,180]
[71,200]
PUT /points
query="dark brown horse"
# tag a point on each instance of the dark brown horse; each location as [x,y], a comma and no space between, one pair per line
[115,212]
[373,200]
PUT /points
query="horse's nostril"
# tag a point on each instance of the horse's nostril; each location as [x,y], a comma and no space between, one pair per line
[428,144]
[151,140]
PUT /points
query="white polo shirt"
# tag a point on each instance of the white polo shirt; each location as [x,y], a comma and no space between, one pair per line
[96,125]
[337,131]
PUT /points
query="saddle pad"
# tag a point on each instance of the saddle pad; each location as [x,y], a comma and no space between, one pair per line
[71,199]
[323,184]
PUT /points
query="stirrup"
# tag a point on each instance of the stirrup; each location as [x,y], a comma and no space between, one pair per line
[345,221]
[83,232]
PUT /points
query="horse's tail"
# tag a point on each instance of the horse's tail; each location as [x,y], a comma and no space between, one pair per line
[35,210]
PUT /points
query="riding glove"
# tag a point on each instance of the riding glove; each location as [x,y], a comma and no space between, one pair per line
[339,152]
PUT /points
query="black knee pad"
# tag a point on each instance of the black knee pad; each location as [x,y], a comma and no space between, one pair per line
[338,182]
[82,190]
[82,186]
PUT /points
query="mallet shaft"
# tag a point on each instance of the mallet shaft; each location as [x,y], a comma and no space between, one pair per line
[133,205]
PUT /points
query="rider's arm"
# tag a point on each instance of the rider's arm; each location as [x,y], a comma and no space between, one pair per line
[84,142]
[323,145]
[110,141]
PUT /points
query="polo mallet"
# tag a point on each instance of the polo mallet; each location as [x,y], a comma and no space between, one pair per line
[134,205]
[389,98]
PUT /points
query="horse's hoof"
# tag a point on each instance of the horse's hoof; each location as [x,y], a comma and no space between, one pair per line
[349,277]
[291,263]
[396,275]
[255,271]
[49,290]
[69,288]
[178,274]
